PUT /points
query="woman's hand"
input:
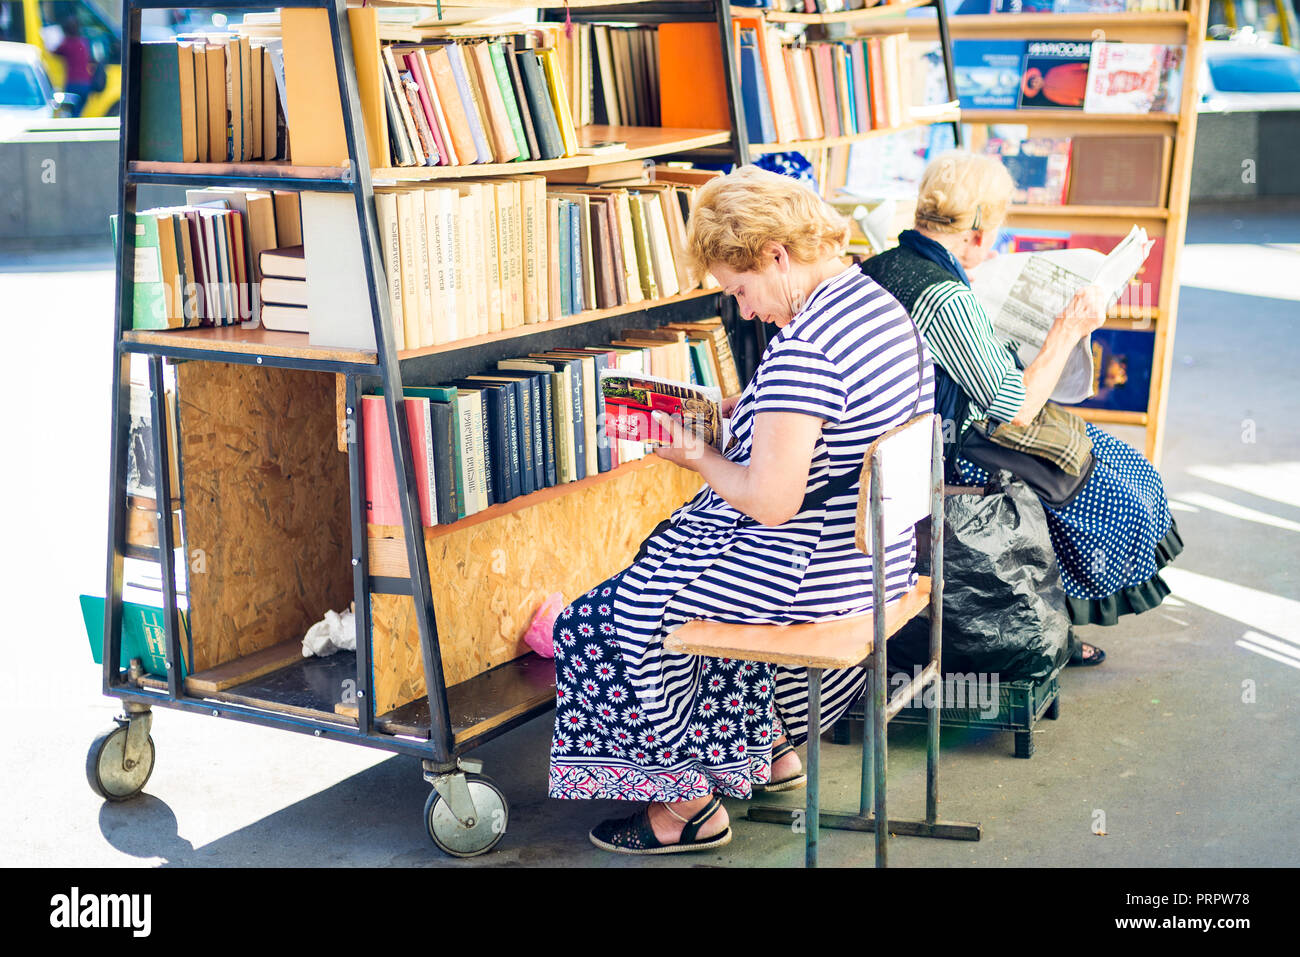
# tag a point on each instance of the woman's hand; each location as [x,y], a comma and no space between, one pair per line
[1084,313]
[687,449]
[728,405]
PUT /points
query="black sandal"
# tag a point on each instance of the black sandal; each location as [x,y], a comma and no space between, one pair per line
[1077,657]
[797,780]
[635,834]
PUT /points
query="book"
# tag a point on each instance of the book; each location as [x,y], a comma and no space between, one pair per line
[550,141]
[987,73]
[168,122]
[1143,290]
[692,79]
[1119,170]
[144,630]
[754,90]
[630,402]
[1054,75]
[1127,78]
[1122,361]
[339,304]
[1039,166]
[285,318]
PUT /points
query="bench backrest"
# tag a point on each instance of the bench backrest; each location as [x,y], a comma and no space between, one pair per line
[903,459]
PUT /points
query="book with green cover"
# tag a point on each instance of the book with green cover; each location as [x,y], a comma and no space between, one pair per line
[149,310]
[161,129]
[447,395]
[144,635]
[497,53]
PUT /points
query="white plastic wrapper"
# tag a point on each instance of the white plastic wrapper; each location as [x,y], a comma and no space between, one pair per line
[334,632]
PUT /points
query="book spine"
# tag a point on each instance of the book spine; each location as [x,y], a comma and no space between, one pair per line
[575,249]
[444,433]
[547,430]
[510,452]
[524,407]
[604,448]
[579,421]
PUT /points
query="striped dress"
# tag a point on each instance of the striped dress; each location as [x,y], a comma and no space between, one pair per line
[638,722]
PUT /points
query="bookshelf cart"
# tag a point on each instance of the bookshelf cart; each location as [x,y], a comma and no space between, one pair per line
[266,527]
[1169,219]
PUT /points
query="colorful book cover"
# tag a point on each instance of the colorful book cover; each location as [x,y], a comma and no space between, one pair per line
[1124,77]
[1039,167]
[144,634]
[987,73]
[1055,74]
[630,400]
[1121,362]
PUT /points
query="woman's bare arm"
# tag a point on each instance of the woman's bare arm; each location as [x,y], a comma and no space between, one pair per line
[771,487]
[1084,313]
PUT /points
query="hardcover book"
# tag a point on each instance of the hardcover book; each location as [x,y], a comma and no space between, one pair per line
[630,402]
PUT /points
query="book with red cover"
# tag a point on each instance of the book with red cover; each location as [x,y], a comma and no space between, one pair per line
[631,400]
[383,507]
[824,62]
[1143,289]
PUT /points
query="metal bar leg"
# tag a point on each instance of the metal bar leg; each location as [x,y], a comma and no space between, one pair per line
[880,718]
[812,819]
[936,623]
[950,76]
[868,789]
[163,509]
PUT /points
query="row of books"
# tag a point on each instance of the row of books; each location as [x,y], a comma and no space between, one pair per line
[483,256]
[198,264]
[815,90]
[1079,170]
[1070,6]
[1143,291]
[212,98]
[1092,76]
[612,73]
[476,101]
[526,424]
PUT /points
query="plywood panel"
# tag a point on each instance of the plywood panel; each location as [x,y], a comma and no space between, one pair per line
[266,496]
[490,578]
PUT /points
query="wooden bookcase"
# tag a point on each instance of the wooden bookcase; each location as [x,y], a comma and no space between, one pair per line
[1167,220]
[271,499]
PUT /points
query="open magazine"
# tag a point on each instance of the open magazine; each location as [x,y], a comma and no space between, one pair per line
[1023,293]
[630,400]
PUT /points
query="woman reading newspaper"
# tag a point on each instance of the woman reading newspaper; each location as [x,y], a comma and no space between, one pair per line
[1116,532]
[768,539]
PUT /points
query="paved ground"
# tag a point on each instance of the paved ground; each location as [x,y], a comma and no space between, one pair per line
[1185,739]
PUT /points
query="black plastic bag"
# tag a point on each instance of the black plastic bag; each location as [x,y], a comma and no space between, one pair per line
[1004,609]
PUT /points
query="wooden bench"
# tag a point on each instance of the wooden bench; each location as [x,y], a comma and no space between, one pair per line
[902,483]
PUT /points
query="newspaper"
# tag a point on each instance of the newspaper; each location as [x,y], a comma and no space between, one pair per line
[631,398]
[1023,293]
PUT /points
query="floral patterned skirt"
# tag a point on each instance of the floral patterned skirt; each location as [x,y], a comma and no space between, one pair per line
[604,746]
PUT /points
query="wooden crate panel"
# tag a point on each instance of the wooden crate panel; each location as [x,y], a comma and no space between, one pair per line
[488,579]
[266,498]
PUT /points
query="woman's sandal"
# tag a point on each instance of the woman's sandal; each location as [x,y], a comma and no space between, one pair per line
[636,835]
[797,780]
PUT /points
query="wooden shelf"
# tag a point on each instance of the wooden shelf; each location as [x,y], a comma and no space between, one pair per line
[508,694]
[260,342]
[878,12]
[1032,117]
[387,543]
[1050,26]
[588,315]
[1110,416]
[643,142]
[947,116]
[280,679]
[1117,212]
[276,169]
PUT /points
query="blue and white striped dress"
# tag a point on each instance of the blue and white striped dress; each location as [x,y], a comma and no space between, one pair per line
[676,726]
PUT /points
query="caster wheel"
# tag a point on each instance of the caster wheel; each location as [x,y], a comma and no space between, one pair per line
[106,769]
[454,838]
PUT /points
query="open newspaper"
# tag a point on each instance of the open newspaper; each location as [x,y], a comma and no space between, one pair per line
[1023,293]
[630,400]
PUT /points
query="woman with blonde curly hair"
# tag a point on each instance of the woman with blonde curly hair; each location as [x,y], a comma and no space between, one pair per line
[1113,537]
[768,539]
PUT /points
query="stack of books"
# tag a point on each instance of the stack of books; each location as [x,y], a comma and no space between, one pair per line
[797,91]
[212,98]
[283,289]
[198,264]
[527,423]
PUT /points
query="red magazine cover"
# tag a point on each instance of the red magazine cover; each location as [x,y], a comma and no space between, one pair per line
[1143,290]
[631,400]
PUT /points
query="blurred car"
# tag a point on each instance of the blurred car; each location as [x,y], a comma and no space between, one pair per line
[1240,76]
[25,89]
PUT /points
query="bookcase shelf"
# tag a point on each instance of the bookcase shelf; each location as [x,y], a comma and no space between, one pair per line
[879,11]
[235,343]
[1111,416]
[386,543]
[643,142]
[1050,26]
[1066,212]
[532,329]
[1160,122]
[926,119]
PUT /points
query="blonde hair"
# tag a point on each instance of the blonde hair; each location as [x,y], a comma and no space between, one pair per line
[961,190]
[736,215]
